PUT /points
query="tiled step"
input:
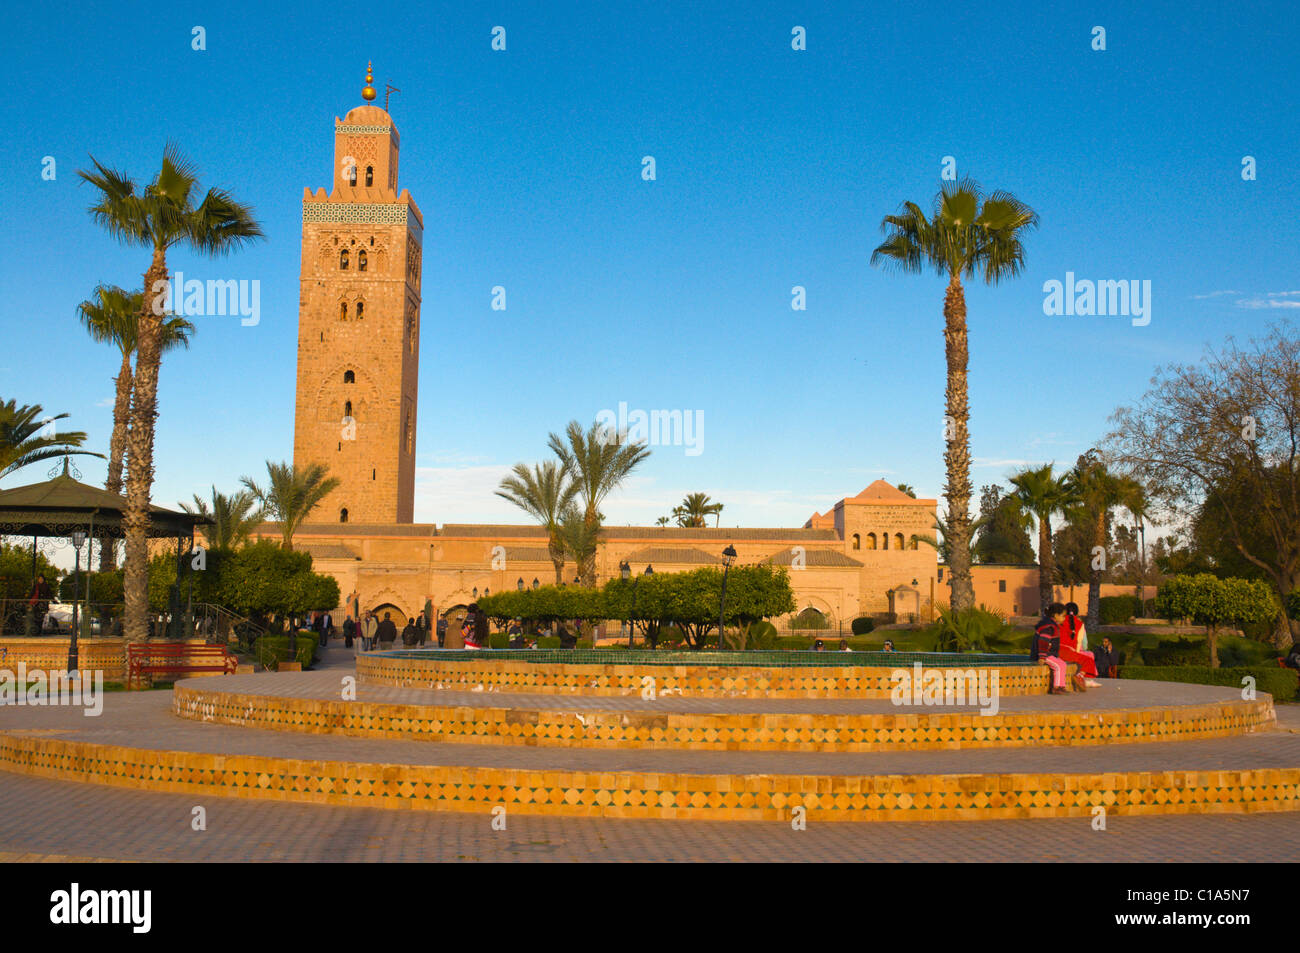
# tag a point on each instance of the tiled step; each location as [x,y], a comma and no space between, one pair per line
[138,743]
[1118,712]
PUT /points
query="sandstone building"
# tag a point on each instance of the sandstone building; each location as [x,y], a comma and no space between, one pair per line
[357,388]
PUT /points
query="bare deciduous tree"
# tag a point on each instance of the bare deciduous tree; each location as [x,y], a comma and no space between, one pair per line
[1231,421]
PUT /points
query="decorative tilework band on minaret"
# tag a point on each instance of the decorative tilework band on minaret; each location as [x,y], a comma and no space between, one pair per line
[359,326]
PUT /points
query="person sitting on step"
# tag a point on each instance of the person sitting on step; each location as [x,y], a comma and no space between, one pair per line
[1074,644]
[1045,646]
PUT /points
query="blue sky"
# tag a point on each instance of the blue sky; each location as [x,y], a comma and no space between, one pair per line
[774,168]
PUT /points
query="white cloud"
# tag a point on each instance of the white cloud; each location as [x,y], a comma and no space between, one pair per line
[1256,304]
[1214,294]
[106,402]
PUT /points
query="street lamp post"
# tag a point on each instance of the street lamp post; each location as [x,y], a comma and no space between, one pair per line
[728,555]
[78,537]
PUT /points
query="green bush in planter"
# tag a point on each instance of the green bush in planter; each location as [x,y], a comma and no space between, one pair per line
[270,650]
[863,624]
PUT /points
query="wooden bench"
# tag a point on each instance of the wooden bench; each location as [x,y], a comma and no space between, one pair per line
[177,658]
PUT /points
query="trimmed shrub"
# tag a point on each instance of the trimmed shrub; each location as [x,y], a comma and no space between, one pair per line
[271,650]
[1178,652]
[863,624]
[548,641]
[1116,610]
[1279,682]
[498,640]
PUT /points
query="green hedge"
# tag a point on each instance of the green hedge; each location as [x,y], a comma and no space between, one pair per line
[863,624]
[548,641]
[1177,653]
[270,650]
[1116,610]
[1279,682]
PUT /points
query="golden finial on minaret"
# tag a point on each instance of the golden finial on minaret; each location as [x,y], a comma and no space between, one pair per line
[368,93]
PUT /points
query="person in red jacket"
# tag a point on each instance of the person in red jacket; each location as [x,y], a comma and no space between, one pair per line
[1070,651]
[1045,646]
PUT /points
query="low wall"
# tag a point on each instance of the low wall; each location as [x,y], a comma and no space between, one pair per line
[51,654]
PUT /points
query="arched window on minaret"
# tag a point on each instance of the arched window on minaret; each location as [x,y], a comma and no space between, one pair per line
[352,175]
[349,377]
[343,311]
[898,540]
[361,310]
[347,408]
[361,260]
[871,541]
[343,515]
[884,537]
[857,541]
[370,176]
[343,260]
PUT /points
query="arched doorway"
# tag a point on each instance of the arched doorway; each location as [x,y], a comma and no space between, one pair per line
[394,612]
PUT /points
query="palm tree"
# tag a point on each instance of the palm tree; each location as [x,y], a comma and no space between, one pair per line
[157,217]
[233,517]
[544,493]
[1138,504]
[1042,494]
[696,509]
[21,443]
[911,491]
[966,235]
[942,542]
[112,316]
[663,521]
[1097,492]
[291,494]
[597,464]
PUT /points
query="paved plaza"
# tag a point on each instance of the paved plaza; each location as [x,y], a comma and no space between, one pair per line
[59,820]
[41,819]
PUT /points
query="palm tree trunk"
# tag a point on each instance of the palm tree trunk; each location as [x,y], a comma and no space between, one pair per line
[1093,619]
[1046,563]
[587,565]
[956,456]
[139,460]
[556,546]
[117,451]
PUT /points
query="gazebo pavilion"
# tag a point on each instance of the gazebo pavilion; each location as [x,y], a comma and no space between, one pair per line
[65,508]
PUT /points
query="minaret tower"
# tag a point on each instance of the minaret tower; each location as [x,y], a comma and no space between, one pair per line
[359,326]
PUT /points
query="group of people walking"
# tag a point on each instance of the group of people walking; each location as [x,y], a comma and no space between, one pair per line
[1060,638]
[371,632]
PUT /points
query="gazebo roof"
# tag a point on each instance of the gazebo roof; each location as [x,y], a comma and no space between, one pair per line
[62,504]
